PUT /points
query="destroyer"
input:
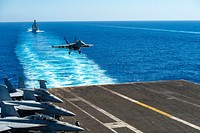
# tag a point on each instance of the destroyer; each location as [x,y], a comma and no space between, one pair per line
[35,27]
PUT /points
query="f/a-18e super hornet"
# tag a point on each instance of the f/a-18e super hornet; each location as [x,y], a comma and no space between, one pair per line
[76,45]
[30,106]
[13,123]
[41,94]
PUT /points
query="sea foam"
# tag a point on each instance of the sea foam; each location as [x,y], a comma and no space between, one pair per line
[40,61]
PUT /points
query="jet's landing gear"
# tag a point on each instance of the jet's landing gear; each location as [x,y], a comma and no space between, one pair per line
[79,52]
[70,50]
[57,117]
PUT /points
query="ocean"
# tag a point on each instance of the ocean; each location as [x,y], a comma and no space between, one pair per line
[126,51]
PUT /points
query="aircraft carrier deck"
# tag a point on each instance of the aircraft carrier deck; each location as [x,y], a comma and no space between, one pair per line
[149,107]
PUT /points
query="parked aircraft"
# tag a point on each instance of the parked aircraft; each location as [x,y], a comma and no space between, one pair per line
[42,94]
[13,123]
[29,106]
[76,45]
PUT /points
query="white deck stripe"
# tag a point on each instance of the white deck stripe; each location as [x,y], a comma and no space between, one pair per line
[173,97]
[87,113]
[115,125]
[154,109]
[73,99]
[110,116]
[123,124]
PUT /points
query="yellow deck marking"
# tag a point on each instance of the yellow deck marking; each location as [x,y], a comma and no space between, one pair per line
[153,109]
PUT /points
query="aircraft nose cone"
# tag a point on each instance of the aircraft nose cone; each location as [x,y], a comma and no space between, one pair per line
[79,128]
[57,100]
[66,112]
[69,127]
[69,113]
[76,128]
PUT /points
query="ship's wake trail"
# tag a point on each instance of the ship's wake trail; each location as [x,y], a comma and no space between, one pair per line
[40,61]
[153,29]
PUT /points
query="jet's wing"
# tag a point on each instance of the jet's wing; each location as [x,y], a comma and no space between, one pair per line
[27,108]
[87,45]
[4,128]
[60,46]
[64,45]
[15,125]
[16,94]
[20,106]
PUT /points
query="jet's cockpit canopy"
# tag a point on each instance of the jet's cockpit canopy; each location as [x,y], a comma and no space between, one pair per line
[43,91]
[81,42]
[40,117]
[49,104]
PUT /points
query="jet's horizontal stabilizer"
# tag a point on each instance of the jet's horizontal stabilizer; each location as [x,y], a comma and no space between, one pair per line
[28,95]
[4,94]
[8,111]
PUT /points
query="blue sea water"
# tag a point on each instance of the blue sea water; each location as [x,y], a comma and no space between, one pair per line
[122,52]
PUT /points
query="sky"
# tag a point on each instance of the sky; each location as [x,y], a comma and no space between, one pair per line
[98,10]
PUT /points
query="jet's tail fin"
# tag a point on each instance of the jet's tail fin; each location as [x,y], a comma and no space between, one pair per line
[28,95]
[7,110]
[42,84]
[66,40]
[9,85]
[4,94]
[21,82]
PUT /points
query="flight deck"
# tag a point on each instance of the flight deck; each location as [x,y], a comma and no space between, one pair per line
[141,107]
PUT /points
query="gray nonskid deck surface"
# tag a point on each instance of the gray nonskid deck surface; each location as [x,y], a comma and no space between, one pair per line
[149,107]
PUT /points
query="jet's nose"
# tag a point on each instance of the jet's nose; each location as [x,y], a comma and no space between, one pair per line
[56,99]
[75,128]
[79,128]
[69,127]
[65,112]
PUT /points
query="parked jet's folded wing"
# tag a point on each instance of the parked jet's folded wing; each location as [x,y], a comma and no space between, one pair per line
[14,125]
[24,106]
[4,128]
[16,94]
[27,108]
[25,125]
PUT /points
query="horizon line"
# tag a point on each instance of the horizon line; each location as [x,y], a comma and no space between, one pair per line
[95,20]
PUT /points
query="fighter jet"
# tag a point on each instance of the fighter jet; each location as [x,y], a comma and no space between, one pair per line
[42,94]
[13,123]
[76,45]
[30,106]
